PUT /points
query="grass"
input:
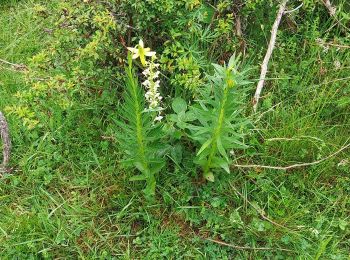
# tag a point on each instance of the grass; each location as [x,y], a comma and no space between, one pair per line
[67,197]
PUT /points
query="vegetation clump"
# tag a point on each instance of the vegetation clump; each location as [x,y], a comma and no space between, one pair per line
[134,131]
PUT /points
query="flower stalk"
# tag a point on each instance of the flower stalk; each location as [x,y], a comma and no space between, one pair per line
[151,73]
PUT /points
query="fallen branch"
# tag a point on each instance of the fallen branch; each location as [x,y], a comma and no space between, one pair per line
[268,54]
[322,43]
[302,137]
[267,111]
[331,9]
[17,67]
[261,213]
[293,165]
[246,247]
[295,9]
[6,143]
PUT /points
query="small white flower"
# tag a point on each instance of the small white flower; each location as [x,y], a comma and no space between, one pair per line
[146,72]
[315,232]
[146,83]
[343,162]
[158,118]
[156,74]
[337,64]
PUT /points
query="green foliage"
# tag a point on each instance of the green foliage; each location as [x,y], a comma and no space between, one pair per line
[69,193]
[139,137]
[74,67]
[216,120]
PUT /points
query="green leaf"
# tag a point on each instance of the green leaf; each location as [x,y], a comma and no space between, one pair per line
[179,105]
[222,163]
[140,177]
[205,145]
[221,148]
[208,12]
[156,167]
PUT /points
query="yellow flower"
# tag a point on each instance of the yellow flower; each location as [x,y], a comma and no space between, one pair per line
[142,52]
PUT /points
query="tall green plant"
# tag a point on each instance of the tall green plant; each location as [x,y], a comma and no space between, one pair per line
[215,122]
[139,135]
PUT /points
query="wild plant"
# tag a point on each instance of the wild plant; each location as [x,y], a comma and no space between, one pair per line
[215,122]
[140,134]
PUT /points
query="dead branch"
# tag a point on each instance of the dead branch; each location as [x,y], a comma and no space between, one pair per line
[15,66]
[270,48]
[6,143]
[267,111]
[238,27]
[298,165]
[322,43]
[295,9]
[246,247]
[261,213]
[331,9]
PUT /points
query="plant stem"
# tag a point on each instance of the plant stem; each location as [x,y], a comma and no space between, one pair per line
[217,131]
[139,128]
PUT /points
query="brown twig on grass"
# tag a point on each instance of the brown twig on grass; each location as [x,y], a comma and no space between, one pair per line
[261,213]
[331,9]
[6,143]
[17,67]
[247,247]
[270,48]
[298,165]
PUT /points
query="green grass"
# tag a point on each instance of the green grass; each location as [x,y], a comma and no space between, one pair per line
[67,197]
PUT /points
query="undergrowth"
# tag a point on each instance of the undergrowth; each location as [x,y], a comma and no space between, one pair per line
[86,122]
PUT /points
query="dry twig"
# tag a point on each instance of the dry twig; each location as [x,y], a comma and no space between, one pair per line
[331,9]
[246,247]
[17,67]
[261,213]
[293,165]
[295,9]
[268,54]
[6,142]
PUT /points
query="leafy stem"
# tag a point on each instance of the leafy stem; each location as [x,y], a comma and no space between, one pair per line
[217,131]
[139,127]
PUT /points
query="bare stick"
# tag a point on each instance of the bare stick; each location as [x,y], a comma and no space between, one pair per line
[261,213]
[6,142]
[295,9]
[267,111]
[331,9]
[15,66]
[246,247]
[268,54]
[322,43]
[238,26]
[293,165]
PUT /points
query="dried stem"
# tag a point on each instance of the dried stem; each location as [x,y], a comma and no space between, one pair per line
[270,48]
[15,66]
[261,213]
[246,247]
[6,142]
[331,9]
[298,165]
